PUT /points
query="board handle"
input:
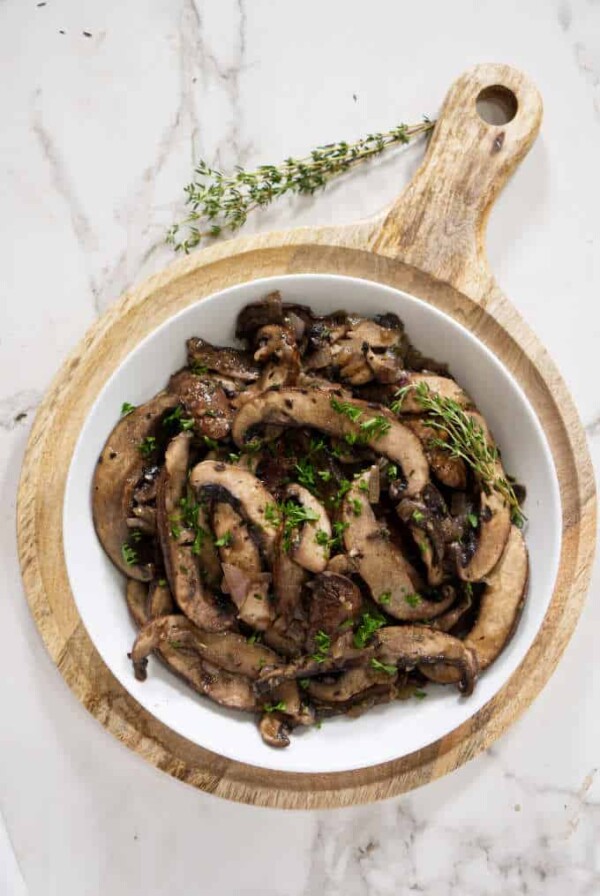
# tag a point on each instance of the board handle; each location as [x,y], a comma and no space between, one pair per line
[438,223]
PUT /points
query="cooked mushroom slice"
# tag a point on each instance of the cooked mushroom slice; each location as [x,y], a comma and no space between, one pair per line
[451,471]
[258,314]
[408,646]
[437,385]
[160,600]
[447,621]
[287,697]
[345,686]
[205,402]
[231,362]
[309,548]
[287,638]
[144,519]
[244,491]
[288,580]
[494,525]
[341,655]
[356,421]
[247,584]
[500,609]
[335,601]
[227,650]
[181,562]
[379,561]
[119,470]
[137,601]
[274,729]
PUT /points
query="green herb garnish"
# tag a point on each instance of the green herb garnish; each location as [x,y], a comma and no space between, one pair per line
[413,600]
[420,695]
[275,707]
[323,644]
[347,409]
[473,520]
[375,428]
[356,506]
[129,554]
[147,446]
[418,516]
[176,418]
[382,667]
[225,540]
[127,408]
[368,625]
[385,598]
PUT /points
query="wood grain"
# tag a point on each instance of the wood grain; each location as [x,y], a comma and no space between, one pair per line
[429,243]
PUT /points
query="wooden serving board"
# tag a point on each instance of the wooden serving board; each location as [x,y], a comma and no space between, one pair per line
[429,243]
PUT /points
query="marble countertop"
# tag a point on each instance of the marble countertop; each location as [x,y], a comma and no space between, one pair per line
[104,108]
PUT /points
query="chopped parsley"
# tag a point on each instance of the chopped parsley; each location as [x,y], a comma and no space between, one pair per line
[225,540]
[413,600]
[306,474]
[420,695]
[325,475]
[129,554]
[368,625]
[418,516]
[392,471]
[162,583]
[199,537]
[275,707]
[176,418]
[127,408]
[375,428]
[135,535]
[356,506]
[400,395]
[473,520]
[322,538]
[147,446]
[210,443]
[382,667]
[254,638]
[323,644]
[199,369]
[363,485]
[385,598]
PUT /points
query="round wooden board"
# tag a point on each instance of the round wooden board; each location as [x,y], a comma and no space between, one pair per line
[431,244]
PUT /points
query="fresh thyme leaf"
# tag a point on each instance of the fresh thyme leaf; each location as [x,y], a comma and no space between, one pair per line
[322,538]
[176,418]
[338,531]
[225,540]
[129,554]
[210,443]
[385,598]
[363,486]
[392,472]
[376,427]
[219,202]
[325,475]
[346,408]
[306,474]
[418,516]
[382,667]
[199,538]
[147,446]
[127,408]
[466,439]
[273,514]
[275,707]
[368,625]
[413,600]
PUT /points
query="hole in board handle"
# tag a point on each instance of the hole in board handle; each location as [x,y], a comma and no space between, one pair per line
[497,105]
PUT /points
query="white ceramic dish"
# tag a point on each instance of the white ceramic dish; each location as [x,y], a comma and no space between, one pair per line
[387,732]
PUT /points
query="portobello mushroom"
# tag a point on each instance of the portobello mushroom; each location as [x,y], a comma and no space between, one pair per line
[334,602]
[308,549]
[247,494]
[193,596]
[230,362]
[205,401]
[500,609]
[408,646]
[356,421]
[380,563]
[119,470]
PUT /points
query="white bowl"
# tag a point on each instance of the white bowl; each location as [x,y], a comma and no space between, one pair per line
[387,732]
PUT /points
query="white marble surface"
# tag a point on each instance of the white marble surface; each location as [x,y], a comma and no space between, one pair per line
[98,136]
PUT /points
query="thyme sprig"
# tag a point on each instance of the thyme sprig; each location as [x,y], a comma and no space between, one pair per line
[221,202]
[466,439]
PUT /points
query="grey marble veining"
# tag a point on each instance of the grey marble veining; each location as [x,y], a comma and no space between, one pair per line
[100,132]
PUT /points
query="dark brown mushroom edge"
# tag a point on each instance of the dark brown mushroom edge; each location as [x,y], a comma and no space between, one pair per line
[314,523]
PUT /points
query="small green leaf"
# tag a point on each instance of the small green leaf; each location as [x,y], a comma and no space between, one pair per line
[127,408]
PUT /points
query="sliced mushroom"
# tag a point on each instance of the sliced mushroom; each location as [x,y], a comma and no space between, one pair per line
[451,471]
[247,584]
[500,609]
[160,600]
[205,401]
[226,650]
[259,314]
[348,685]
[274,729]
[287,638]
[379,561]
[181,563]
[306,550]
[341,656]
[119,470]
[494,524]
[288,581]
[300,407]
[409,646]
[247,494]
[137,601]
[231,362]
[452,617]
[334,602]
